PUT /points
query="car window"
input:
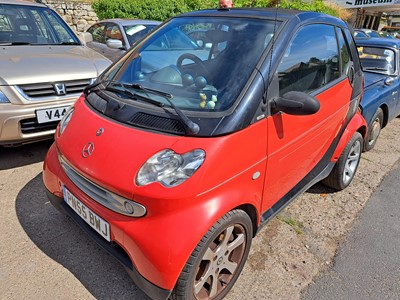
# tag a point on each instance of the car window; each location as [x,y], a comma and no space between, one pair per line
[34,25]
[360,34]
[311,60]
[135,32]
[200,78]
[174,39]
[62,32]
[346,60]
[113,32]
[378,60]
[373,34]
[98,33]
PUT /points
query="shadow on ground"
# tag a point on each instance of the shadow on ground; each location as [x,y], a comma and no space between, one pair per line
[13,157]
[319,188]
[63,241]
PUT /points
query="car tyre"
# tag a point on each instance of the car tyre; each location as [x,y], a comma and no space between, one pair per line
[216,262]
[345,168]
[374,129]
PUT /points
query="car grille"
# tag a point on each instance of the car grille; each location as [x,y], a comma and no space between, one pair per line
[32,126]
[102,196]
[51,89]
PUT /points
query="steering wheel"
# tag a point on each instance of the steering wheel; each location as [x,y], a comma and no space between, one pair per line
[196,60]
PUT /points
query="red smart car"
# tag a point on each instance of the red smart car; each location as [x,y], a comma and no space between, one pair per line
[183,149]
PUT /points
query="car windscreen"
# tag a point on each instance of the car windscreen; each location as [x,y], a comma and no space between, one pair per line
[377,60]
[21,24]
[200,75]
[135,32]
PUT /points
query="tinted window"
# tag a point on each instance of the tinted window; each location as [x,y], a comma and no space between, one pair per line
[97,31]
[344,52]
[34,25]
[311,61]
[113,32]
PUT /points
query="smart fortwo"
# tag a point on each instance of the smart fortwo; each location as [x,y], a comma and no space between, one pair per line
[181,151]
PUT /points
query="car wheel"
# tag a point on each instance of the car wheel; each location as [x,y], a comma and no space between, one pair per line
[345,168]
[374,130]
[216,262]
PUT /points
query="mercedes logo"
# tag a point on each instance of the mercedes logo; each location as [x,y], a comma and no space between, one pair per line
[88,150]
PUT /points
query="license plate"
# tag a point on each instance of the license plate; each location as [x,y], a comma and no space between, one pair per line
[51,114]
[97,223]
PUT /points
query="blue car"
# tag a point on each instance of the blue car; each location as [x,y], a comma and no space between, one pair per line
[380,62]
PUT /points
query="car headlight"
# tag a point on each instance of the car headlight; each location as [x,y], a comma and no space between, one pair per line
[170,168]
[3,98]
[65,120]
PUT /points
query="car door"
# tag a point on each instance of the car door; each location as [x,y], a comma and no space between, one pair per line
[311,64]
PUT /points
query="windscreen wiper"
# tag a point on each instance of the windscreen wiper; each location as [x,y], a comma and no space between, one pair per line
[118,87]
[190,125]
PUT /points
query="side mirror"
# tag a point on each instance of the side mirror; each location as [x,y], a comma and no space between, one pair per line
[114,44]
[296,103]
[86,37]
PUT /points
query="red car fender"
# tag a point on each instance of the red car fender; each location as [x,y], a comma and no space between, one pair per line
[357,123]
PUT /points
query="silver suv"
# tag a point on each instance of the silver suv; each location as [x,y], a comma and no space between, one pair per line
[44,68]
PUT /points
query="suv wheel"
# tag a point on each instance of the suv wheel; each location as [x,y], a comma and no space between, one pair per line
[346,167]
[218,259]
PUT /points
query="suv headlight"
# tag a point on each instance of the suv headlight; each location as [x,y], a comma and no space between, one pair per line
[65,120]
[170,168]
[3,98]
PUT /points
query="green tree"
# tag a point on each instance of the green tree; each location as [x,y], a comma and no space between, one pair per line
[164,9]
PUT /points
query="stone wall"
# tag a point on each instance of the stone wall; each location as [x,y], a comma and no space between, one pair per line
[78,15]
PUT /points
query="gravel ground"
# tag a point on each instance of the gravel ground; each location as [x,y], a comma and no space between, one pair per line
[45,256]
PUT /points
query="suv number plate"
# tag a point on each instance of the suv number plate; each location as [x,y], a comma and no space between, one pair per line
[97,223]
[51,114]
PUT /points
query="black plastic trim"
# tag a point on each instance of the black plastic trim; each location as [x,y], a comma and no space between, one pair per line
[300,188]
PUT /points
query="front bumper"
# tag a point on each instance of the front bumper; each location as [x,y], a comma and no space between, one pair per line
[153,291]
[19,125]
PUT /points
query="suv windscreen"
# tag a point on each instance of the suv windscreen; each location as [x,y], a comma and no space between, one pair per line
[199,75]
[21,24]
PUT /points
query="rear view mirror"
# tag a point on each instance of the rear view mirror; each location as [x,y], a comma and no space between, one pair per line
[295,103]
